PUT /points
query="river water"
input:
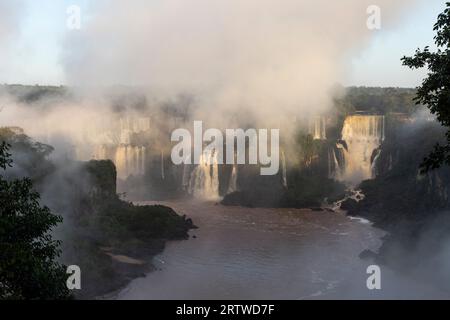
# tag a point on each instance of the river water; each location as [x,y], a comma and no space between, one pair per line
[243,253]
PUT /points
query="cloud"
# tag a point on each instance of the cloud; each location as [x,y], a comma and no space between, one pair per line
[266,56]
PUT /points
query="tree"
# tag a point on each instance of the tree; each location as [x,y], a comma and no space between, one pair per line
[28,267]
[435,89]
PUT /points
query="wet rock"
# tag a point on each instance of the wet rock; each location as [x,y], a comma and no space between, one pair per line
[368,254]
[350,205]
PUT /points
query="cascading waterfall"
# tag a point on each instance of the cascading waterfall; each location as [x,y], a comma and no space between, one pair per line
[334,168]
[130,160]
[363,135]
[101,152]
[143,160]
[185,179]
[232,184]
[331,167]
[163,175]
[121,161]
[204,181]
[374,162]
[232,187]
[284,169]
[336,161]
[118,146]
[318,128]
[135,125]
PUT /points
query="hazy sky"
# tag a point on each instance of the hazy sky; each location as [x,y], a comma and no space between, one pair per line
[379,64]
[38,36]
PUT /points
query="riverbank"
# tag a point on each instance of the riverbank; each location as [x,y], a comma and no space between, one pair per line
[119,244]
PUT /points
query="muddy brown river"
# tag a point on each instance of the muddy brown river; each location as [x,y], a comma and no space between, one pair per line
[243,253]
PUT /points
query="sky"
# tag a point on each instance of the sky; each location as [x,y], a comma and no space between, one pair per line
[35,54]
[379,64]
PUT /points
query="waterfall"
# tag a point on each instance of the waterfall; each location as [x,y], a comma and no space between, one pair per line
[186,174]
[336,161]
[374,162]
[163,176]
[120,144]
[121,161]
[100,152]
[363,135]
[232,187]
[318,128]
[144,159]
[134,125]
[185,178]
[204,181]
[334,168]
[129,160]
[390,163]
[331,169]
[284,169]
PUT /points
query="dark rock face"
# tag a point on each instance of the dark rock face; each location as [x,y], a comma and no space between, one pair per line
[368,254]
[350,206]
[103,177]
[308,185]
[303,192]
[414,208]
[400,193]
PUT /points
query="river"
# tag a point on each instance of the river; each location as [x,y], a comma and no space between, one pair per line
[243,253]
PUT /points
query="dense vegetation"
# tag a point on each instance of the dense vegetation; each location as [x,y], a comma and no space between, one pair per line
[28,253]
[377,100]
[435,89]
[98,225]
[34,94]
[105,226]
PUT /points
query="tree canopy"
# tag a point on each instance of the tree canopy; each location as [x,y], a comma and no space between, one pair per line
[434,91]
[28,254]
